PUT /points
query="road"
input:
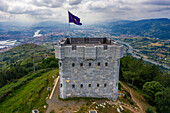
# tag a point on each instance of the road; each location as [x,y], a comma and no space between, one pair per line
[130,50]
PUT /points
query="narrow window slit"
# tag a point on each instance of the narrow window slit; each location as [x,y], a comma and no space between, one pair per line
[98,64]
[81,64]
[73,86]
[106,64]
[73,64]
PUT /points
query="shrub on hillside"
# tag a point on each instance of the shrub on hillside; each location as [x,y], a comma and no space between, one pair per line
[50,62]
[151,88]
[150,110]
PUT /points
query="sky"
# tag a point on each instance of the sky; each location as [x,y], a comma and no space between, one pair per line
[89,11]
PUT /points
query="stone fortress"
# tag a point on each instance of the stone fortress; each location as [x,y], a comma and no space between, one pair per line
[89,67]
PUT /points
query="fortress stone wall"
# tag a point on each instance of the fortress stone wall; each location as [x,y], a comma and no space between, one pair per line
[89,67]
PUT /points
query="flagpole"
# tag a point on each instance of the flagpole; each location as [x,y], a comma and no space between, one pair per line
[69,32]
[69,27]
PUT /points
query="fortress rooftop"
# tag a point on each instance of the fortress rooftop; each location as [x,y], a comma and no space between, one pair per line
[86,41]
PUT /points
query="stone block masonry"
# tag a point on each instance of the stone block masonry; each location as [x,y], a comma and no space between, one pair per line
[89,67]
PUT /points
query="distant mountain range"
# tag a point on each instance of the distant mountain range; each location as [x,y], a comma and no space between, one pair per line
[13,26]
[154,28]
[49,24]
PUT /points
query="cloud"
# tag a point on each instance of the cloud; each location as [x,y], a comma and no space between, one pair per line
[90,11]
[48,3]
[157,2]
[28,9]
[3,6]
[74,2]
[159,9]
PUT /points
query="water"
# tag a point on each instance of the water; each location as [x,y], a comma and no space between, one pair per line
[7,43]
[3,47]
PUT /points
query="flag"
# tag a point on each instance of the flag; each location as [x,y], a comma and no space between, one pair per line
[74,19]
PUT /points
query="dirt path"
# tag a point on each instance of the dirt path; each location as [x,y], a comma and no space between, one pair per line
[129,108]
[61,106]
[136,98]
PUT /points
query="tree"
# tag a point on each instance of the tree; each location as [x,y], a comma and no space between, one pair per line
[50,62]
[132,76]
[53,64]
[136,72]
[151,88]
[164,79]
[162,100]
[150,109]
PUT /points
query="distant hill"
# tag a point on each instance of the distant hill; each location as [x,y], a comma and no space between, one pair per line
[19,61]
[22,54]
[49,24]
[154,28]
[13,26]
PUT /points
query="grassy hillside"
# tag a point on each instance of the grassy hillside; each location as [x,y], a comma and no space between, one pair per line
[23,53]
[19,61]
[27,93]
[155,28]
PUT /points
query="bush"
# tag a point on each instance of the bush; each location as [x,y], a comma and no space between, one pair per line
[125,96]
[150,109]
[135,88]
[131,102]
[50,62]
[128,94]
[162,101]
[53,64]
[119,86]
[150,89]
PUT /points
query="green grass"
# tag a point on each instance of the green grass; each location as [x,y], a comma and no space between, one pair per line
[9,88]
[31,95]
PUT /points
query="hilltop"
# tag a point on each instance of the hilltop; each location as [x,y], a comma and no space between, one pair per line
[19,61]
[154,28]
[22,54]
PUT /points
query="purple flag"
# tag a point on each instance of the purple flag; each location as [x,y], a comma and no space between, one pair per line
[74,19]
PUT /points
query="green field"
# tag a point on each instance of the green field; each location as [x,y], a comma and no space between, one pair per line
[28,95]
[153,49]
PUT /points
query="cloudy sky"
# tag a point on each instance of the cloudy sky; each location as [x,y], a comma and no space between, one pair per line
[90,11]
